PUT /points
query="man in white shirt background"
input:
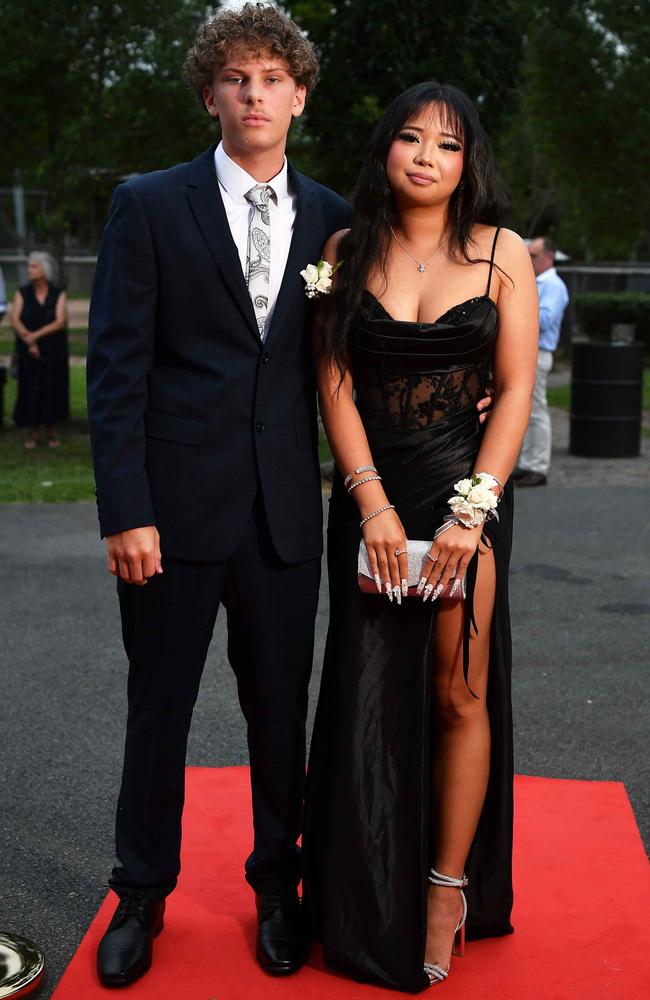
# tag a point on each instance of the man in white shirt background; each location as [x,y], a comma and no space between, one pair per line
[535,456]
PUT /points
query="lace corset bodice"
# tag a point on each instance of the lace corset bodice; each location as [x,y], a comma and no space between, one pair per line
[410,375]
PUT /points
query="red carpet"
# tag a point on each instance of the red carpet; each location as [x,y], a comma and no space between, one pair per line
[581,884]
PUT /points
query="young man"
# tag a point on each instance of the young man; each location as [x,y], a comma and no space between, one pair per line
[535,456]
[204,435]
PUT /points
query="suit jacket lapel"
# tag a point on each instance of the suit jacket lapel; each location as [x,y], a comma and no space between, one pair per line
[293,286]
[210,215]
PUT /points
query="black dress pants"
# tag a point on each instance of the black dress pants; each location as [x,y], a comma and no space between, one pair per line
[167,626]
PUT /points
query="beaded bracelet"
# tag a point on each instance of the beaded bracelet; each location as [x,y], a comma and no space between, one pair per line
[357,472]
[389,506]
[360,482]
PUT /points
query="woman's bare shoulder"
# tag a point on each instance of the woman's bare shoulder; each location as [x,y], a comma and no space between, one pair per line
[511,243]
[331,248]
[507,241]
[511,255]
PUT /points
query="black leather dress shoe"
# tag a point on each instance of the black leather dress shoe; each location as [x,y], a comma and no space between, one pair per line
[531,479]
[125,951]
[282,940]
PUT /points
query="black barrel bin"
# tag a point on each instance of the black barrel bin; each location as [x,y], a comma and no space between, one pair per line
[606,395]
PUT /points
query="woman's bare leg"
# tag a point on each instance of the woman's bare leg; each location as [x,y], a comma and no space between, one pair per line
[462,751]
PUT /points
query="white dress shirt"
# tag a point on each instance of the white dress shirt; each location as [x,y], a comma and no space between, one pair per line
[234,182]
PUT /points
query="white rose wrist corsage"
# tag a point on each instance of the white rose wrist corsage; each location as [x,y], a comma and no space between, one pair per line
[318,278]
[474,500]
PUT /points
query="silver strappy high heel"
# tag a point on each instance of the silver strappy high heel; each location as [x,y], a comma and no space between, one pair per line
[436,973]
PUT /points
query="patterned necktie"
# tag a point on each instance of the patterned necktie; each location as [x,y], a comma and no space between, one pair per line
[258,253]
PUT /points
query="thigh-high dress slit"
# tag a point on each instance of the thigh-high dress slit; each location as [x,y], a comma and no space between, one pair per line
[369,812]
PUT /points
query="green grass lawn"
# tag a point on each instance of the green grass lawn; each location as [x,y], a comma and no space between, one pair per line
[45,474]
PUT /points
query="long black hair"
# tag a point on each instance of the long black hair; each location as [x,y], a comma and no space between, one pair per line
[478,198]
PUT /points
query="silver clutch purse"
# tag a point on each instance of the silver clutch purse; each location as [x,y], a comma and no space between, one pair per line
[419,566]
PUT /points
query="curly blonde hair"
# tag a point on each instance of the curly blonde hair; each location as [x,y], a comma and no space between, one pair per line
[258,29]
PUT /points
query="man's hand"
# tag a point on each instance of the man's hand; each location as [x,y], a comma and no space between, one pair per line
[135,555]
[484,406]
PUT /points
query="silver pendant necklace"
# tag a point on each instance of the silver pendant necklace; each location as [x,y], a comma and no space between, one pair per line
[422,264]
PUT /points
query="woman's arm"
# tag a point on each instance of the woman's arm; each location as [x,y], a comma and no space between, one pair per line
[58,323]
[515,363]
[384,533]
[14,318]
[515,359]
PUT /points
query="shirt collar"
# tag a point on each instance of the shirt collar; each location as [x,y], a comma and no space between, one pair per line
[545,275]
[236,181]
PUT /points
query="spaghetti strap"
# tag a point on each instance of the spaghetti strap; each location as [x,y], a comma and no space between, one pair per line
[494,246]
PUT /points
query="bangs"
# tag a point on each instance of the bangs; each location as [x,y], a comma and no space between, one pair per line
[454,117]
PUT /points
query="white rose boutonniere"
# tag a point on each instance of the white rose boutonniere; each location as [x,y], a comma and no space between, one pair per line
[318,278]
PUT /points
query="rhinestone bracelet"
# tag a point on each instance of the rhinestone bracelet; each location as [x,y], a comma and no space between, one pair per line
[360,482]
[389,506]
[357,472]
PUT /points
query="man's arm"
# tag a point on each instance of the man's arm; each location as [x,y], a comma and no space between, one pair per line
[120,356]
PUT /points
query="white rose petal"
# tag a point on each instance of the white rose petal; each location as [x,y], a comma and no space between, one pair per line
[463,510]
[325,269]
[323,285]
[483,497]
[310,274]
[463,486]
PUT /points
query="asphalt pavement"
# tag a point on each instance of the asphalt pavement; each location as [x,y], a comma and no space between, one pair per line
[581,633]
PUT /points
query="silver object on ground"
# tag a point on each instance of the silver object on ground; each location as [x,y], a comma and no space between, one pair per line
[21,965]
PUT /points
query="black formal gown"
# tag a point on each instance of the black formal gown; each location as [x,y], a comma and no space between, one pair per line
[43,383]
[369,811]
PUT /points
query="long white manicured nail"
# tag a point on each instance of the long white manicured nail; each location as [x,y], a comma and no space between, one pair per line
[405,588]
[378,582]
[455,588]
[421,585]
[437,592]
[427,592]
[389,591]
[397,594]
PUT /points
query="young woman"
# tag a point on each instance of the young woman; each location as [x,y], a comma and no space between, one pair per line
[410,779]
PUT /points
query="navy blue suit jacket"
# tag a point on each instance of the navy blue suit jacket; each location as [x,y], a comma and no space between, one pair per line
[190,413]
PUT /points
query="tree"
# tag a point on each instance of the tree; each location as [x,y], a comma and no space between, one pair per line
[576,152]
[372,51]
[97,94]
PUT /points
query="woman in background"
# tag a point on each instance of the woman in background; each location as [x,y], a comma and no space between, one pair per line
[38,316]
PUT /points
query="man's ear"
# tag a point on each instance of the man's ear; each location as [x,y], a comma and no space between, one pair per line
[210,104]
[299,100]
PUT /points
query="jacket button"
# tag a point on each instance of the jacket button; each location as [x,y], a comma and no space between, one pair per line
[259,427]
[265,358]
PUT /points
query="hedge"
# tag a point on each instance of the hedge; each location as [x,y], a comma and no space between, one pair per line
[596,312]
